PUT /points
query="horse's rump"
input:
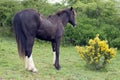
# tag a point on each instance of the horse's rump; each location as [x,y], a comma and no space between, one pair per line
[25,24]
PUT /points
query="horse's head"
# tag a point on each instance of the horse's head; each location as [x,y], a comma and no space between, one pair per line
[71,13]
[67,16]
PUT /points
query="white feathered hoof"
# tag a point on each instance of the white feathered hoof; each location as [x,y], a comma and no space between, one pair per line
[29,65]
[33,70]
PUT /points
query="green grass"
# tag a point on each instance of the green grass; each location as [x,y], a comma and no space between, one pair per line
[73,67]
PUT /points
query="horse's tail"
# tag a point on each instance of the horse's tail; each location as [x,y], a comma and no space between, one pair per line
[19,34]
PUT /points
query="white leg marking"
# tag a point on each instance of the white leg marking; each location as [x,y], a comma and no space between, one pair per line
[26,62]
[54,57]
[31,65]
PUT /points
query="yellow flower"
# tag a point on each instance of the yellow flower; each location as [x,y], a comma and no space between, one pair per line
[107,50]
[112,52]
[93,53]
[108,61]
[97,35]
[98,55]
[81,55]
[91,42]
[80,49]
[95,58]
[102,43]
[89,47]
[96,61]
[91,62]
[96,39]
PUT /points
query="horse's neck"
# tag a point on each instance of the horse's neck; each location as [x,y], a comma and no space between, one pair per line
[55,18]
[64,18]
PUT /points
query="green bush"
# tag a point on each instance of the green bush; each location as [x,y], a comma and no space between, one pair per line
[7,11]
[116,43]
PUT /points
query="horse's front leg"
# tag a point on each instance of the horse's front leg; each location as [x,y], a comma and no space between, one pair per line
[56,47]
[54,51]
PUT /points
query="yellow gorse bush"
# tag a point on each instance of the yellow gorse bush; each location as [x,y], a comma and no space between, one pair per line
[97,53]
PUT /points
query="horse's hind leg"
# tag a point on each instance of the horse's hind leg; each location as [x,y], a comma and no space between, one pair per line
[30,64]
[29,60]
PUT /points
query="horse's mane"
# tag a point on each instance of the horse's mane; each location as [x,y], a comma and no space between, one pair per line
[61,12]
[58,13]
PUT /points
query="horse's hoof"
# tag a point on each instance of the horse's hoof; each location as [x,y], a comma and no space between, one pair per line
[33,70]
[58,67]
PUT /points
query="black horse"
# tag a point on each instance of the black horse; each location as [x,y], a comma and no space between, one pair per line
[29,24]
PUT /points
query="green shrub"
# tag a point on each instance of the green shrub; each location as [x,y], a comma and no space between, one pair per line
[116,43]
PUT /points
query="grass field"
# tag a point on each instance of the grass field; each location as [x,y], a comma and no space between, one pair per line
[73,67]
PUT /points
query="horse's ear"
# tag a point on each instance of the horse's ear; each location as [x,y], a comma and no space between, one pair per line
[71,8]
[58,14]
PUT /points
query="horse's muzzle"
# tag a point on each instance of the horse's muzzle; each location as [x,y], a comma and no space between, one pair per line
[74,25]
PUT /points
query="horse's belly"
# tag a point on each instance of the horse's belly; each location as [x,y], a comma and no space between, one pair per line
[44,36]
